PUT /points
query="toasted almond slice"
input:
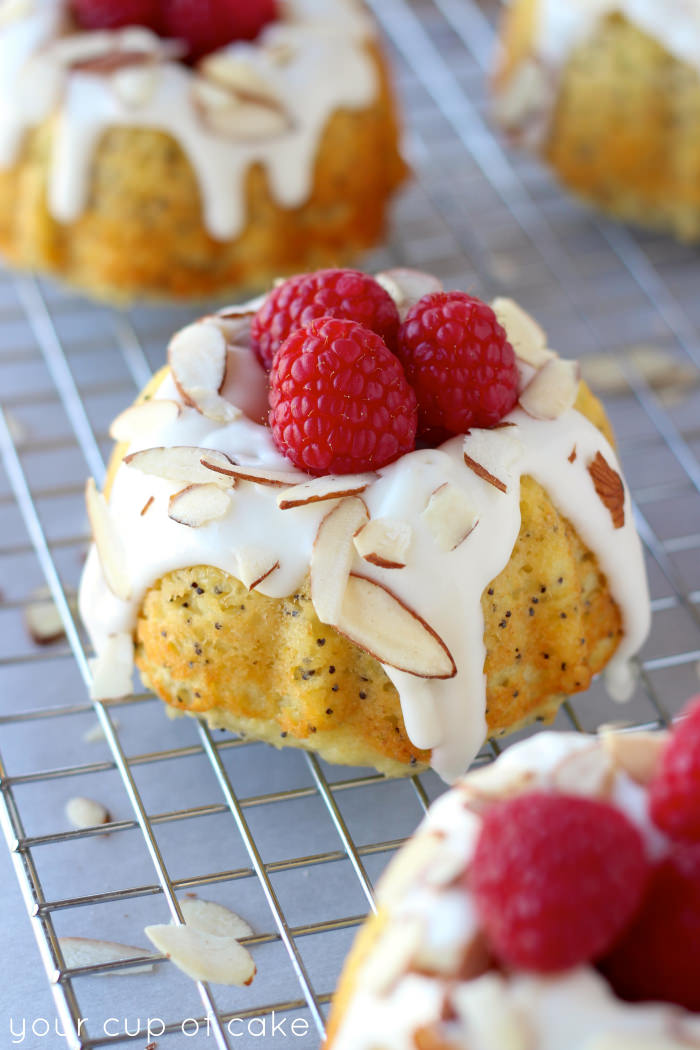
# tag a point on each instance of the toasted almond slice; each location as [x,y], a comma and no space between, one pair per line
[407,286]
[408,865]
[376,621]
[332,554]
[184,463]
[637,754]
[384,542]
[588,771]
[527,338]
[210,917]
[260,475]
[43,619]
[86,812]
[197,356]
[609,487]
[83,951]
[255,564]
[198,504]
[450,516]
[552,390]
[392,954]
[110,549]
[204,956]
[329,487]
[113,668]
[139,420]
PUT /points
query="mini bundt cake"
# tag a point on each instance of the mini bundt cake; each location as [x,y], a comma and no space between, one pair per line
[550,901]
[179,159]
[408,549]
[609,94]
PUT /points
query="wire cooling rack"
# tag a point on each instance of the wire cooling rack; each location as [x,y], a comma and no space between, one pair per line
[293,845]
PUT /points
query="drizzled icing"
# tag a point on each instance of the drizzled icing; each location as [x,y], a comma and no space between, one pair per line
[424,890]
[314,61]
[443,587]
[525,103]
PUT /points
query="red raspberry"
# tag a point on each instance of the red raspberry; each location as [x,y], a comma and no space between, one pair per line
[349,294]
[674,793]
[556,878]
[458,361]
[339,401]
[658,957]
[210,24]
[113,14]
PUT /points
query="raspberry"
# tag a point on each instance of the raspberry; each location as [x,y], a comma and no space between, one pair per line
[339,401]
[658,957]
[113,14]
[349,294]
[556,878]
[674,793]
[458,361]
[206,25]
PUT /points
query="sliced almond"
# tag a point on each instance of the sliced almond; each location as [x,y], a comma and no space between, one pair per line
[392,954]
[587,771]
[83,951]
[147,506]
[197,356]
[239,117]
[384,542]
[204,956]
[450,516]
[134,86]
[43,619]
[551,391]
[86,812]
[184,463]
[527,338]
[210,917]
[376,621]
[140,420]
[484,787]
[96,733]
[260,475]
[492,1017]
[255,564]
[198,504]
[492,454]
[235,73]
[609,487]
[332,554]
[110,549]
[636,754]
[407,286]
[112,668]
[329,487]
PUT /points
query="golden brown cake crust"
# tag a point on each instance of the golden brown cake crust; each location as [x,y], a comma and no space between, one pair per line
[268,668]
[624,129]
[142,234]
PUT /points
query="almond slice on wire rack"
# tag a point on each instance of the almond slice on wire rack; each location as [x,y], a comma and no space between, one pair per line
[110,549]
[211,917]
[84,951]
[378,622]
[204,956]
[332,554]
[183,463]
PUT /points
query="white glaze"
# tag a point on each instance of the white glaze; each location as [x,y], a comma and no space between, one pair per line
[444,587]
[573,1011]
[328,68]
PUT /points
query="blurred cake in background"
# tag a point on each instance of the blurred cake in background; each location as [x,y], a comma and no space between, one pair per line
[609,95]
[163,148]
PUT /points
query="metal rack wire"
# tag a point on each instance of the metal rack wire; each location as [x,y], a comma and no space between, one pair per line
[291,843]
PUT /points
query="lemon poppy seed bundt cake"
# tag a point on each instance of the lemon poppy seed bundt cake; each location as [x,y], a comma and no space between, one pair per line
[410,532]
[160,148]
[550,901]
[609,95]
